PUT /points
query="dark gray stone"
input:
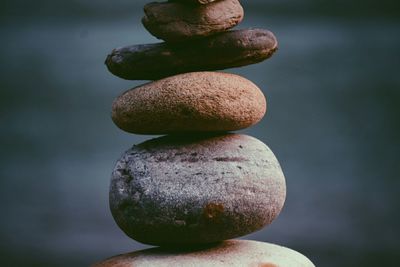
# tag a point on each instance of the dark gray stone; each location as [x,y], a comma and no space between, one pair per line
[177,190]
[225,50]
[173,21]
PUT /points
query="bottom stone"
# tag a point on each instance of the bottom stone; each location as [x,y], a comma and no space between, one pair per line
[241,253]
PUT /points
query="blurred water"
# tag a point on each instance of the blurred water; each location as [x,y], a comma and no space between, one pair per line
[333,91]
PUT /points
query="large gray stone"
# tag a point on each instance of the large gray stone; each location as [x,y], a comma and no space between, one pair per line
[224,50]
[232,253]
[190,102]
[177,190]
[173,21]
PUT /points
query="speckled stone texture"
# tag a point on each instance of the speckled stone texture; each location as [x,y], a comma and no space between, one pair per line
[232,253]
[174,21]
[197,101]
[178,190]
[220,51]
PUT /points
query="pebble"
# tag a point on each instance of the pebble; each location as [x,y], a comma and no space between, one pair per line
[203,2]
[225,50]
[174,21]
[191,102]
[180,190]
[231,253]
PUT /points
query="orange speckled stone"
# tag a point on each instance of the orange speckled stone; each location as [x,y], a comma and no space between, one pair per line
[191,102]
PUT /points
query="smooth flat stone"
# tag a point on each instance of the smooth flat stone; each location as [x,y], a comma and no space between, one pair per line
[180,190]
[191,102]
[231,253]
[225,50]
[174,21]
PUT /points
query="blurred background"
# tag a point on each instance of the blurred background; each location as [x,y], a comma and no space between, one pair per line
[333,90]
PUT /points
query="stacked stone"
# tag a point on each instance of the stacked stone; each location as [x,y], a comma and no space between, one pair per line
[198,185]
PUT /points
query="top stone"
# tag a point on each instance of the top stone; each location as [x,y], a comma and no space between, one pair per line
[174,21]
[202,2]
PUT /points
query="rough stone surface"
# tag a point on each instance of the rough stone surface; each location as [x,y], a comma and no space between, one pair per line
[197,101]
[232,253]
[224,50]
[180,190]
[174,21]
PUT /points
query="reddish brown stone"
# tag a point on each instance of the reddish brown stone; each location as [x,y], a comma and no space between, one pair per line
[202,2]
[174,21]
[191,102]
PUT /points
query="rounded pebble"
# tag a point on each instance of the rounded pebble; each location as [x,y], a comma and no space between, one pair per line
[191,102]
[177,190]
[173,21]
[202,2]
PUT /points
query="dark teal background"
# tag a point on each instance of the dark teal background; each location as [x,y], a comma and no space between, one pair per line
[333,91]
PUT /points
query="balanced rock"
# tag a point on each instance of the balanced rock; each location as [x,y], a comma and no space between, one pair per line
[203,2]
[231,253]
[173,21]
[216,52]
[182,190]
[191,102]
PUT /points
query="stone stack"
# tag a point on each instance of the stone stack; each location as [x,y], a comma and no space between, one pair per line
[197,186]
